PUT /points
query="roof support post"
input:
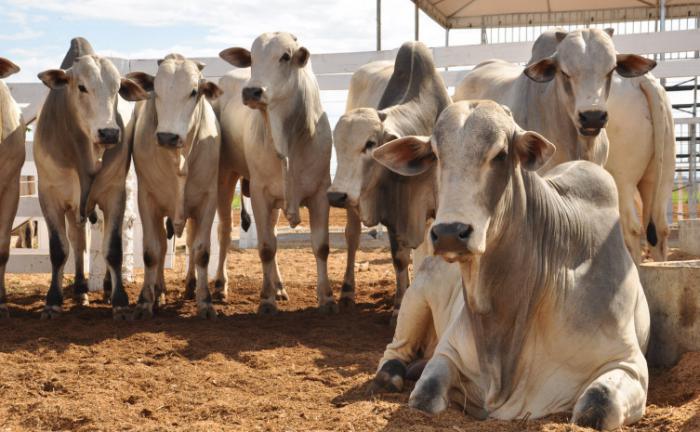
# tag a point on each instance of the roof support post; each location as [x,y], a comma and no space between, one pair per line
[379,25]
[417,30]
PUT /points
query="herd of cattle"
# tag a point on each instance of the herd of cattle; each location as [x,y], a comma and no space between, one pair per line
[525,299]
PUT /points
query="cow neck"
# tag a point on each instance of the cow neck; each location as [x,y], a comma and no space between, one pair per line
[520,236]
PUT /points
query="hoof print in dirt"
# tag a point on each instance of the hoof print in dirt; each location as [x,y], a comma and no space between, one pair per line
[329,308]
[143,311]
[207,312]
[267,309]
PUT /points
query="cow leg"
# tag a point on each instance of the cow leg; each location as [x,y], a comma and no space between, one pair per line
[58,251]
[113,255]
[153,235]
[611,401]
[227,188]
[631,226]
[76,235]
[400,257]
[265,219]
[191,278]
[353,229]
[8,209]
[201,249]
[318,215]
[160,287]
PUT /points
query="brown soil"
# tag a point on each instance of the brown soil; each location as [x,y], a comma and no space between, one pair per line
[297,371]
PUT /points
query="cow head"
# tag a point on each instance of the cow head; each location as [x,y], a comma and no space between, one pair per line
[275,60]
[7,68]
[582,68]
[356,134]
[477,147]
[92,84]
[178,87]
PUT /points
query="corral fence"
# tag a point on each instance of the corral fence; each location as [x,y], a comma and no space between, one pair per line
[334,71]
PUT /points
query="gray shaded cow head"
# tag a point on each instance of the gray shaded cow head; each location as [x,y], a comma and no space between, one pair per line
[356,134]
[7,68]
[582,68]
[477,146]
[274,59]
[92,84]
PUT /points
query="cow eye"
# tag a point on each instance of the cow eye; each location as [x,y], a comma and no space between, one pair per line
[285,57]
[82,88]
[368,146]
[194,93]
[501,156]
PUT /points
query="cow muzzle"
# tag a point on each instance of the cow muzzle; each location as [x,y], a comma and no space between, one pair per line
[451,240]
[108,137]
[253,97]
[592,121]
[338,199]
[169,140]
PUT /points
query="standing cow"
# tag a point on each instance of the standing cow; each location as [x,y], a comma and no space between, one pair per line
[546,312]
[562,96]
[176,145]
[82,162]
[11,160]
[411,103]
[642,150]
[277,135]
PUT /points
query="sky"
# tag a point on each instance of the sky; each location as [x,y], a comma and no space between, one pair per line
[35,34]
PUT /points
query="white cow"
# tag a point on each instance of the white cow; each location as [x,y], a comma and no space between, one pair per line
[279,137]
[552,316]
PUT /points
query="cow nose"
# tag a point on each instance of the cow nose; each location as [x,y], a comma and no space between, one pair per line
[108,135]
[168,139]
[593,119]
[337,199]
[451,237]
[252,94]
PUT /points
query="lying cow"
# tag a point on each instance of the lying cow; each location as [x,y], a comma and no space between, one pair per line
[414,97]
[275,127]
[641,158]
[562,96]
[82,162]
[11,160]
[176,145]
[552,315]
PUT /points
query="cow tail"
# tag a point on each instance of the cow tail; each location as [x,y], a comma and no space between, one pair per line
[662,123]
[245,217]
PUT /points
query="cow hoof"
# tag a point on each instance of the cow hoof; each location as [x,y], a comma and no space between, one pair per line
[426,398]
[121,314]
[282,295]
[206,311]
[219,296]
[190,286]
[143,311]
[595,410]
[267,309]
[346,302]
[293,219]
[4,312]
[107,297]
[51,312]
[329,308]
[83,299]
[390,377]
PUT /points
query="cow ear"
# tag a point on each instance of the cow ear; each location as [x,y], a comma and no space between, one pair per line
[407,156]
[210,90]
[381,115]
[532,149]
[542,71]
[610,31]
[142,79]
[560,35]
[200,65]
[632,65]
[7,68]
[301,57]
[239,57]
[131,90]
[54,78]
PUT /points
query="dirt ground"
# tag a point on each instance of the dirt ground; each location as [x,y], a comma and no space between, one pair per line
[298,371]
